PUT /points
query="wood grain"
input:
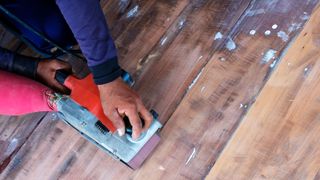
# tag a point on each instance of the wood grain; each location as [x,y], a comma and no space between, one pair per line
[207,117]
[146,30]
[102,166]
[279,138]
[168,67]
[165,78]
[14,131]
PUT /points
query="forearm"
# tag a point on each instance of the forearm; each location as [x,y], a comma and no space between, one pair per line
[89,27]
[23,65]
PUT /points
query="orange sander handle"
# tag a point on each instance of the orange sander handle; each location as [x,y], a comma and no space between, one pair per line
[86,93]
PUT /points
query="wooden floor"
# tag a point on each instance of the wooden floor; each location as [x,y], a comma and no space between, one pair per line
[236,84]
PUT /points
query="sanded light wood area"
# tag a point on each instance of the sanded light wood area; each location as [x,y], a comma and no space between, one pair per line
[199,64]
[279,138]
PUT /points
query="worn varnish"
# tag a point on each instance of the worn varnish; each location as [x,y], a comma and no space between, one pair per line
[14,131]
[204,40]
[228,85]
[200,64]
[279,138]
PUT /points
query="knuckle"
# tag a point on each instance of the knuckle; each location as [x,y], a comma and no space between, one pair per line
[131,106]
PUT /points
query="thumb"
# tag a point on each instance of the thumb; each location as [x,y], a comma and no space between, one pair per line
[61,88]
[118,122]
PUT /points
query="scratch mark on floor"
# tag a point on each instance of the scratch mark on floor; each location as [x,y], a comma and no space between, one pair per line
[192,155]
[195,79]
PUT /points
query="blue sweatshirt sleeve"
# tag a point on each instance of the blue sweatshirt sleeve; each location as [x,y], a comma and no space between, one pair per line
[88,25]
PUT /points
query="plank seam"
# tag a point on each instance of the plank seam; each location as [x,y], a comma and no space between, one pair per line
[211,53]
[267,78]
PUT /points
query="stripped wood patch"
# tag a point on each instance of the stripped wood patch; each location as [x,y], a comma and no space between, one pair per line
[279,138]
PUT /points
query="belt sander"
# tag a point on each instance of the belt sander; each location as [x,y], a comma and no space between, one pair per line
[83,111]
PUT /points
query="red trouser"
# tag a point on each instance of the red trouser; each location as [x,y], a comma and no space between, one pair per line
[20,95]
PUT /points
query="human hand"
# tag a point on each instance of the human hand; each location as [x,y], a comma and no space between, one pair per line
[46,72]
[119,100]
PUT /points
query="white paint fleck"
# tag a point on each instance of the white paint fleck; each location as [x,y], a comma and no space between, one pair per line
[268,56]
[307,70]
[255,12]
[275,26]
[231,45]
[168,19]
[192,155]
[202,89]
[153,55]
[133,12]
[218,36]
[283,36]
[195,79]
[252,32]
[163,40]
[267,32]
[245,106]
[273,64]
[162,168]
[181,23]
[222,59]
[54,116]
[200,58]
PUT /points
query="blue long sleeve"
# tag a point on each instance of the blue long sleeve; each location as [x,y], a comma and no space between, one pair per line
[87,22]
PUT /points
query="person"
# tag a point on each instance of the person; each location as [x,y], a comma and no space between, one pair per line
[66,22]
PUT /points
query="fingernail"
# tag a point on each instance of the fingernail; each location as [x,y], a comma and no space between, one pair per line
[120,132]
[135,136]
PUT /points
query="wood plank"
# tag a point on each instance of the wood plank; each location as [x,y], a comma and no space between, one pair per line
[165,77]
[279,138]
[14,131]
[145,32]
[208,115]
[69,158]
[56,151]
